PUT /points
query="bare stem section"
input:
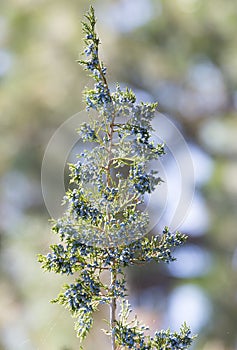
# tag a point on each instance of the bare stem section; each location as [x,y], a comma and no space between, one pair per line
[113,306]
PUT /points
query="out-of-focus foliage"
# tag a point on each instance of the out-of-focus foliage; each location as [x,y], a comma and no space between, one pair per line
[182,53]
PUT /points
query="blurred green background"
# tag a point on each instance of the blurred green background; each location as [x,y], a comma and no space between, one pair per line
[182,53]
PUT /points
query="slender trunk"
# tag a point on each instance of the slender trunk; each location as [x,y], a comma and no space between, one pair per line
[113,310]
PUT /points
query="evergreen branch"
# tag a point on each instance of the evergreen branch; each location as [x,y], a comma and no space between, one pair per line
[103,228]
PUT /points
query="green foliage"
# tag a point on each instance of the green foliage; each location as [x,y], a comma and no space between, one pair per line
[133,335]
[103,228]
